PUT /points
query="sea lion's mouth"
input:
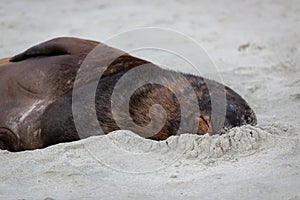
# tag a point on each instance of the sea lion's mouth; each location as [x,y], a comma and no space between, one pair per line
[8,139]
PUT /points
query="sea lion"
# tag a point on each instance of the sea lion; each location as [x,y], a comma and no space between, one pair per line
[36,89]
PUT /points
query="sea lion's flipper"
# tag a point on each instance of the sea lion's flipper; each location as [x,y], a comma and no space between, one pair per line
[44,49]
[204,124]
[58,46]
[117,59]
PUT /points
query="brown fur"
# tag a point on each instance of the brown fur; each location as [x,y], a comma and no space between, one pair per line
[36,96]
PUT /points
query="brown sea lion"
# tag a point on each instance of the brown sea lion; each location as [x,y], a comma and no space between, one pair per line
[36,90]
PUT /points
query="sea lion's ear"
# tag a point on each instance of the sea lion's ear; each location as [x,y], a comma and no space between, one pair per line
[43,49]
[204,124]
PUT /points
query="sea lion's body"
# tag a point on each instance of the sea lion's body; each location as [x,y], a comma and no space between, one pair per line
[37,87]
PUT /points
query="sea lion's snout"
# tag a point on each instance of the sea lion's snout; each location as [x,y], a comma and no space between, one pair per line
[250,117]
[238,111]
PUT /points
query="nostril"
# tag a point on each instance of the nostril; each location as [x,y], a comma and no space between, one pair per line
[8,139]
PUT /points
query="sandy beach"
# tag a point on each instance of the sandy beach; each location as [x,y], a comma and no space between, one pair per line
[255,48]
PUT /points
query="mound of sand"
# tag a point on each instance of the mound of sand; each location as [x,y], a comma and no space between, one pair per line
[243,156]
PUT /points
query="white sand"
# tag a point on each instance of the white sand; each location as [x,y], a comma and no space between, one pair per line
[260,162]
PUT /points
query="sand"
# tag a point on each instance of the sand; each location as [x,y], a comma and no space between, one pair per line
[255,45]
